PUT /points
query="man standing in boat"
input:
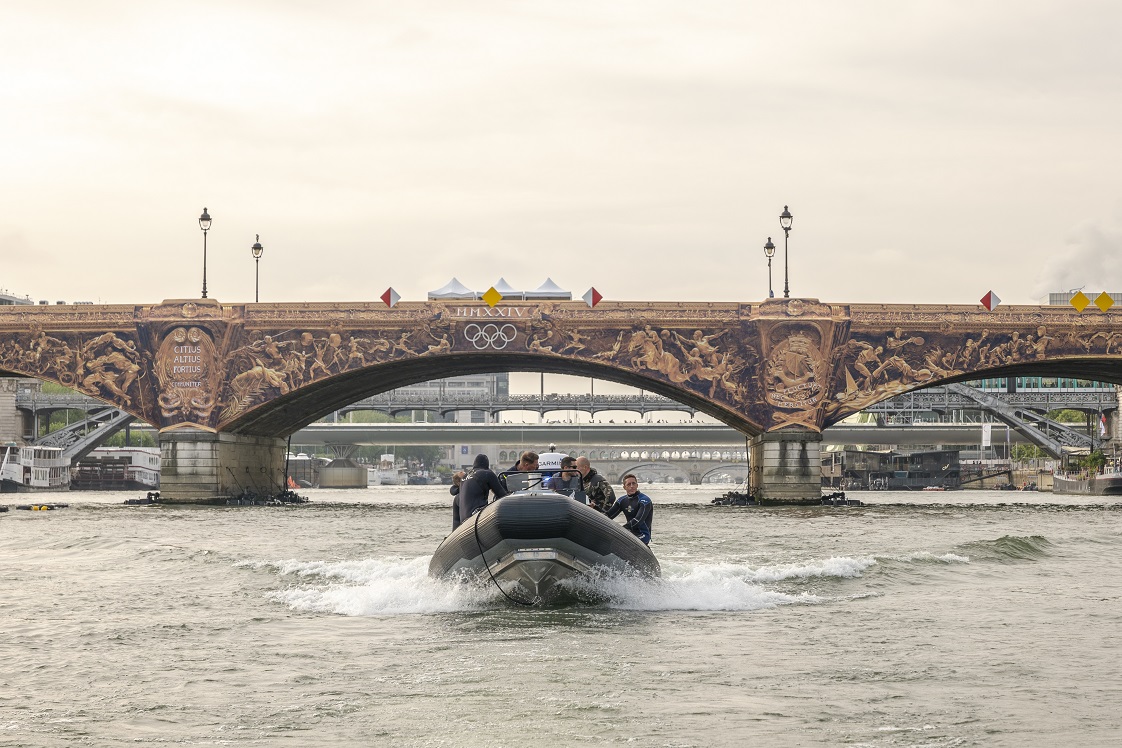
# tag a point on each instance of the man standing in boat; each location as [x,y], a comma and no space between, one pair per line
[596,488]
[636,507]
[472,490]
[528,462]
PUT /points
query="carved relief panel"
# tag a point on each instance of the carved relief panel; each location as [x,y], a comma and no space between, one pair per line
[188,373]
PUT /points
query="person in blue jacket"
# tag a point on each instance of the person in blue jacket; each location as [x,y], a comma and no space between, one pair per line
[471,492]
[636,507]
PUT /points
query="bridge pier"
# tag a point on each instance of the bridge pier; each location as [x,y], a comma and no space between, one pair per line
[786,465]
[198,465]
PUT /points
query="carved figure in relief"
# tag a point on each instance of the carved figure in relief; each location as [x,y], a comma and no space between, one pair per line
[319,349]
[972,353]
[894,343]
[46,352]
[611,353]
[907,374]
[443,346]
[101,378]
[654,356]
[109,364]
[721,376]
[273,352]
[866,356]
[702,343]
[381,345]
[251,382]
[1109,339]
[401,345]
[334,354]
[575,343]
[936,359]
[637,344]
[694,363]
[355,352]
[535,345]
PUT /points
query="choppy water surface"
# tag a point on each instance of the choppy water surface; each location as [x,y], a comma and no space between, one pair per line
[949,619]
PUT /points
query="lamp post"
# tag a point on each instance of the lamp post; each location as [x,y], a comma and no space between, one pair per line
[257,250]
[204,224]
[785,219]
[769,252]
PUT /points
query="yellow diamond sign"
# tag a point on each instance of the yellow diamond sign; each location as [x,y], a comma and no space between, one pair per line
[493,297]
[1103,301]
[1079,301]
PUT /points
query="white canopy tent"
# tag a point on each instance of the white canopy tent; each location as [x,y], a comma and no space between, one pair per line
[453,289]
[549,290]
[508,291]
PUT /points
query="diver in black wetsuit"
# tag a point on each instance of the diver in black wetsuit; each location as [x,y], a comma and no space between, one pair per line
[471,494]
[636,507]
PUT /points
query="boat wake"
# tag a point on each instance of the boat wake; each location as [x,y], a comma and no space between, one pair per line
[399,586]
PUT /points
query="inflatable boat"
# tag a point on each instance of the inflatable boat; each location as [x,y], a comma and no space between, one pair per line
[535,538]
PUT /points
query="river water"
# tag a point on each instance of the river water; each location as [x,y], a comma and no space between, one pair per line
[940,619]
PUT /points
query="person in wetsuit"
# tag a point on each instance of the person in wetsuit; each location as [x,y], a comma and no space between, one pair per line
[636,507]
[471,494]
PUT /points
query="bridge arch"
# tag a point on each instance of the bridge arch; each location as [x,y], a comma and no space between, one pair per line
[286,413]
[1079,367]
[739,470]
[641,469]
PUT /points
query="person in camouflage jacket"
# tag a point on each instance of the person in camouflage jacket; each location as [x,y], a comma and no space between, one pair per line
[595,486]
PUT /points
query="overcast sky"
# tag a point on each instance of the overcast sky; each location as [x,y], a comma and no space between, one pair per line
[929,151]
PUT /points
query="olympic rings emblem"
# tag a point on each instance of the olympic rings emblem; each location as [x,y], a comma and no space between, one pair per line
[490,335]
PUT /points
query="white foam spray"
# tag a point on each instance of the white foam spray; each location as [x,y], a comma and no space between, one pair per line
[396,586]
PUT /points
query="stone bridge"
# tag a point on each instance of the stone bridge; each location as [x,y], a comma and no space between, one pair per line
[225,383]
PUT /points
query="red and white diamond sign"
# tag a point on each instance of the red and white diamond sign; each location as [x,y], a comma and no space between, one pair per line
[990,301]
[592,297]
[391,297]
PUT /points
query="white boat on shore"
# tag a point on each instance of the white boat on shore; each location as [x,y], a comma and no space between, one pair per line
[1106,483]
[118,468]
[388,473]
[31,468]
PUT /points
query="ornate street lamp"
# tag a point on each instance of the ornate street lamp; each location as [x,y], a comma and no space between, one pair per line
[785,219]
[204,224]
[769,252]
[257,250]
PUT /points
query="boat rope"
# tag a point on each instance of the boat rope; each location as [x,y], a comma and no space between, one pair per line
[487,566]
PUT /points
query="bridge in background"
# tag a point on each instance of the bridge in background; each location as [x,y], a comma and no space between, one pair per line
[1021,410]
[938,399]
[663,436]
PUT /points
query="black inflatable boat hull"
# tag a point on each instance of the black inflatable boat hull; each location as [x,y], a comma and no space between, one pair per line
[537,539]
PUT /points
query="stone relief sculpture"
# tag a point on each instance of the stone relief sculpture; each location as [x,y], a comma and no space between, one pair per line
[874,369]
[274,365]
[693,361]
[106,366]
[187,371]
[794,375]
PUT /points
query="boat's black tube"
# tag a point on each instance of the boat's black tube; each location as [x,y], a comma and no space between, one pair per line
[487,566]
